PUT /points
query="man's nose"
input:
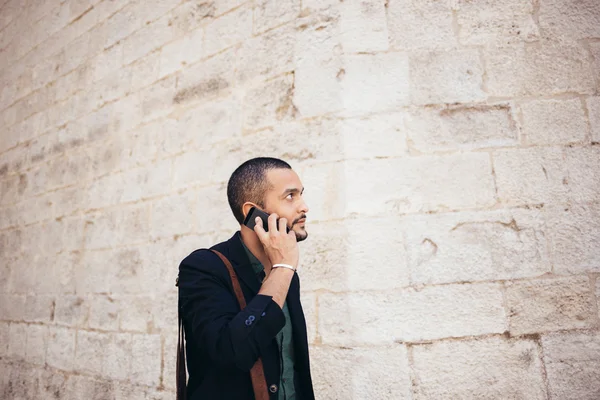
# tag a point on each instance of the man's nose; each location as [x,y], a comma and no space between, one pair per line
[304,207]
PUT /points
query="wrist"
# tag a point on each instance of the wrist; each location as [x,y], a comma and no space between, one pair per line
[284,266]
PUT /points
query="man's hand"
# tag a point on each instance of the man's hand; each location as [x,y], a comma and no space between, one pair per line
[280,247]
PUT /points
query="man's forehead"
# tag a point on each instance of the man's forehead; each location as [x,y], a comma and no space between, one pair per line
[281,179]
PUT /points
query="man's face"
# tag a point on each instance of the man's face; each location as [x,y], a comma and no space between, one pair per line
[284,197]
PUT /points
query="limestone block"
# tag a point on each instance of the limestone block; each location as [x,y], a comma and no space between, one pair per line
[593,107]
[573,234]
[228,30]
[595,51]
[471,246]
[309,306]
[61,348]
[207,79]
[137,315]
[415,24]
[166,218]
[51,383]
[175,55]
[149,38]
[554,122]
[419,184]
[39,308]
[363,26]
[90,351]
[107,62]
[446,77]
[163,314]
[191,15]
[71,310]
[104,312]
[170,368]
[127,224]
[116,363]
[201,126]
[549,305]
[271,13]
[145,71]
[336,256]
[83,387]
[17,340]
[361,373]
[570,20]
[131,271]
[531,175]
[4,338]
[572,364]
[583,165]
[265,56]
[211,211]
[318,65]
[496,23]
[523,70]
[374,136]
[156,100]
[431,129]
[145,360]
[410,314]
[269,103]
[11,306]
[493,367]
[37,338]
[375,82]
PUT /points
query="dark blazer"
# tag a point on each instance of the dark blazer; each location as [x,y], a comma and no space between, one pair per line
[222,342]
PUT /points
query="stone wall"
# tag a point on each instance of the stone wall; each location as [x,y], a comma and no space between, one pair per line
[450,152]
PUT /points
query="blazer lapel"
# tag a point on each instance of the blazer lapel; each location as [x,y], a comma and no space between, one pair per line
[241,264]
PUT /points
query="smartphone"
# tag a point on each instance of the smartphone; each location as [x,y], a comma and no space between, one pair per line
[257,212]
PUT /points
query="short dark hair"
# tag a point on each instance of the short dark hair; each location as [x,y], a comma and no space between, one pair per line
[249,183]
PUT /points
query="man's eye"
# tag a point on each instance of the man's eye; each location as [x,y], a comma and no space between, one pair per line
[289,196]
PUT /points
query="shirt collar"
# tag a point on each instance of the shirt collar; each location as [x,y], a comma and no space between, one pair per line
[257,266]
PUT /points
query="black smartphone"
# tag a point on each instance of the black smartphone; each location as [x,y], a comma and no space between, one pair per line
[254,212]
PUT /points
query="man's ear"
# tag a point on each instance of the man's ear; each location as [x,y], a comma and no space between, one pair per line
[246,208]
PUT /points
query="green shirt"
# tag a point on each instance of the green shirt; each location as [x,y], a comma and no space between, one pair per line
[284,339]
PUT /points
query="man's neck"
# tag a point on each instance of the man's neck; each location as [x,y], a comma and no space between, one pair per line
[255,246]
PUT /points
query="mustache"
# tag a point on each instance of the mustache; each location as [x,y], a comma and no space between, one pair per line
[303,216]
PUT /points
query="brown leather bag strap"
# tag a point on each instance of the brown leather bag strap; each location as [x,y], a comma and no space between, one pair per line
[181,373]
[257,373]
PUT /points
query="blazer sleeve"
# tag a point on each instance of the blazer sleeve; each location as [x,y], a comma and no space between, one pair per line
[209,307]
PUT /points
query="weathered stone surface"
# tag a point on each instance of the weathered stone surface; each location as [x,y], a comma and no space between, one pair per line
[446,77]
[363,26]
[469,246]
[554,122]
[570,20]
[593,107]
[492,368]
[375,82]
[531,175]
[415,24]
[437,128]
[362,373]
[414,184]
[524,70]
[496,23]
[411,314]
[572,364]
[271,13]
[549,305]
[573,232]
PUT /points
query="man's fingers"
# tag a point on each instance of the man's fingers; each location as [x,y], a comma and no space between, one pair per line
[282,225]
[273,223]
[258,228]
